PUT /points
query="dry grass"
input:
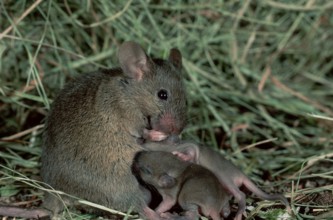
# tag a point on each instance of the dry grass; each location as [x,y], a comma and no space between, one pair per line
[258,73]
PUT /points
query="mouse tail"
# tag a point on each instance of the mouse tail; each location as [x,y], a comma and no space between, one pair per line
[263,195]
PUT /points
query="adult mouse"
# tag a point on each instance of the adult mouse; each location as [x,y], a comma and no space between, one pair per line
[94,125]
[228,174]
[192,186]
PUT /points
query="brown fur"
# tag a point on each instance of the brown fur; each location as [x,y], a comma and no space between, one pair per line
[93,128]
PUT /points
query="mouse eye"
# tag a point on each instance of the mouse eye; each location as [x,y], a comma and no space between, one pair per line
[162,94]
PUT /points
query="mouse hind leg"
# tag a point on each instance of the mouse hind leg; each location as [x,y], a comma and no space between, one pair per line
[192,212]
[240,197]
[226,211]
[53,203]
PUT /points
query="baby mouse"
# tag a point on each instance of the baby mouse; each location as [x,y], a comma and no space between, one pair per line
[227,173]
[189,184]
[94,124]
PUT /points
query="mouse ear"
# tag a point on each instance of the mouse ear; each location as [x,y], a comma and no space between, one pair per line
[190,153]
[133,60]
[166,181]
[175,58]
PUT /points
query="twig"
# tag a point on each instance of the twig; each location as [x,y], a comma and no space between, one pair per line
[321,117]
[292,7]
[300,96]
[111,18]
[255,144]
[32,7]
[22,133]
[267,73]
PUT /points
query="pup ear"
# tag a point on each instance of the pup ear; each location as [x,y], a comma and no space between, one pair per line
[190,153]
[133,60]
[175,57]
[166,181]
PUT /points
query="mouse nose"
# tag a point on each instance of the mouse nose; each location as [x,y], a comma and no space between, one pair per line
[168,123]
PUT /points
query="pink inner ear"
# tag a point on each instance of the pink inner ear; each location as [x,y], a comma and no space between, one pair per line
[136,72]
[183,156]
[133,60]
[138,69]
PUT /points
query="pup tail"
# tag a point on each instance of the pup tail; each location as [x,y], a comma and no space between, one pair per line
[263,195]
